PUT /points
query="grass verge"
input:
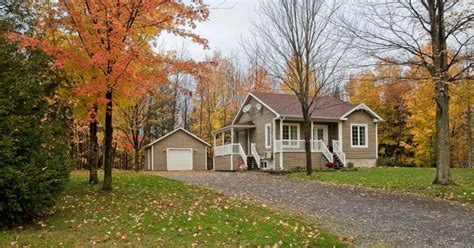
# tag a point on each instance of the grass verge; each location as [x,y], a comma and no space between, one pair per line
[413,180]
[146,210]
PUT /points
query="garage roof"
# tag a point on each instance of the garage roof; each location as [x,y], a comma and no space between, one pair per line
[174,131]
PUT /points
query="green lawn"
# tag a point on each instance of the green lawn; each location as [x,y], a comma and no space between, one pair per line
[413,180]
[147,210]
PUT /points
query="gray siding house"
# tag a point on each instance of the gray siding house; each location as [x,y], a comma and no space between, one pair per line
[267,133]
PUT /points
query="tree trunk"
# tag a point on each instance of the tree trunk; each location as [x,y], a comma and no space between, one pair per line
[126,160]
[136,158]
[185,114]
[93,147]
[107,186]
[443,176]
[307,135]
[200,117]
[440,73]
[307,146]
[469,135]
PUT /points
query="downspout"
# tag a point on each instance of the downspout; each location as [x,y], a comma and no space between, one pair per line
[274,139]
[376,140]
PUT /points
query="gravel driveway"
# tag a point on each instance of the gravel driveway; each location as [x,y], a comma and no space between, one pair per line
[372,216]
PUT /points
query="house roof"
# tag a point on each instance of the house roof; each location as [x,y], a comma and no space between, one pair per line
[363,107]
[288,105]
[174,131]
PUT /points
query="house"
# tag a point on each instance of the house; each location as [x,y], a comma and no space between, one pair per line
[267,133]
[177,150]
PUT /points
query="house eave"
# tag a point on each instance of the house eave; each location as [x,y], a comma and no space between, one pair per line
[313,118]
[227,128]
[362,107]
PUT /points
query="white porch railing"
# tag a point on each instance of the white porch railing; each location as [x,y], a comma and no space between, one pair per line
[326,151]
[229,149]
[256,156]
[337,149]
[240,150]
[223,150]
[298,146]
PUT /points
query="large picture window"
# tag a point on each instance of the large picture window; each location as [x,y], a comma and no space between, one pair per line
[359,136]
[290,134]
[268,135]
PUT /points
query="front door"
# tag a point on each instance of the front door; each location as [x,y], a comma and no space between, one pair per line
[320,132]
[243,141]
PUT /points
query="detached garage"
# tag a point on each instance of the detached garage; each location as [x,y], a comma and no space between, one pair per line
[178,150]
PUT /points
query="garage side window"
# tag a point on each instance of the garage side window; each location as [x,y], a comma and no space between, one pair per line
[359,136]
[268,135]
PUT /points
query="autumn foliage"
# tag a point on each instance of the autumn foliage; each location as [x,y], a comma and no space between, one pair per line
[110,41]
[405,100]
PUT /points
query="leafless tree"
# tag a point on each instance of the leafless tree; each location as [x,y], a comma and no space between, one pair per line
[299,47]
[436,35]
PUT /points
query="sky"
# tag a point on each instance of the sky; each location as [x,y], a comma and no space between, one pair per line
[227,25]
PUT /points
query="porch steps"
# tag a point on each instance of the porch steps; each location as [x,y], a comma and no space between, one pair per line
[338,161]
[251,163]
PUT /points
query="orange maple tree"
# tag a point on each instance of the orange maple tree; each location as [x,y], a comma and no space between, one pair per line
[112,40]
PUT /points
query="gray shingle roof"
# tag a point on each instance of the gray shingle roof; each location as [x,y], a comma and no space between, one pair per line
[288,105]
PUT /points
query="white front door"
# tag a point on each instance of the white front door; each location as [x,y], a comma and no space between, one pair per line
[179,159]
[320,132]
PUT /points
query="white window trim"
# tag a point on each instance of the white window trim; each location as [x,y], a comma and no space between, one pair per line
[297,125]
[366,135]
[268,143]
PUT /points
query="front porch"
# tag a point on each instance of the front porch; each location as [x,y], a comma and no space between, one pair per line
[234,146]
[255,146]
[317,146]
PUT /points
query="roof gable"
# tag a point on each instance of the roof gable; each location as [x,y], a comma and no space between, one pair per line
[174,131]
[362,107]
[246,101]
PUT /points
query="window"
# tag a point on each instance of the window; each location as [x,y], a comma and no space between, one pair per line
[290,134]
[320,132]
[268,135]
[359,136]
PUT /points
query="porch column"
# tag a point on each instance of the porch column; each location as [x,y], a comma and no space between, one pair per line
[312,136]
[281,144]
[339,133]
[232,148]
[223,138]
[274,139]
[213,153]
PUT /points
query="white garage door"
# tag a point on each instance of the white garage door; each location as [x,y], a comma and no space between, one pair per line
[180,159]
